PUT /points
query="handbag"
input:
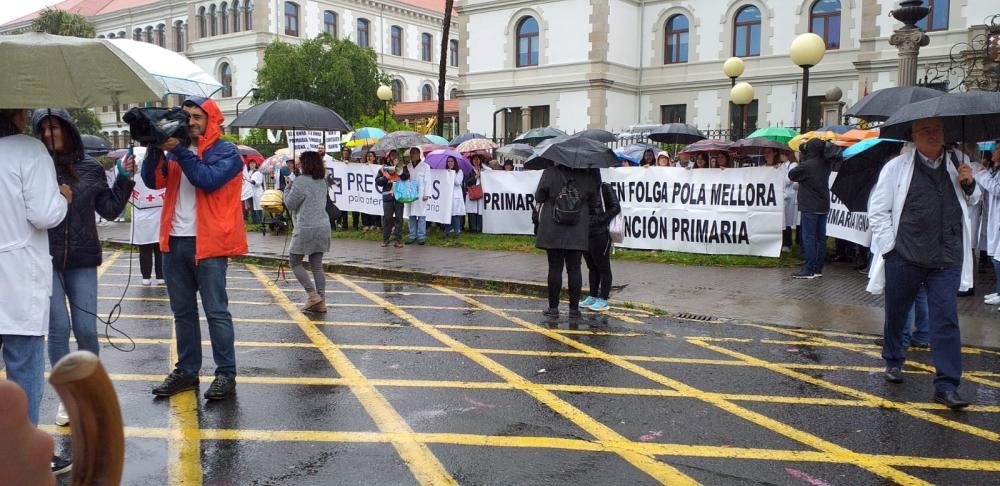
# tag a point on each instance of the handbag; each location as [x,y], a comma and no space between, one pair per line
[616,227]
[475,192]
[406,191]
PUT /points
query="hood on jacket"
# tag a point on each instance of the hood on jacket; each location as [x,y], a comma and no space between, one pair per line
[213,128]
[68,126]
[820,149]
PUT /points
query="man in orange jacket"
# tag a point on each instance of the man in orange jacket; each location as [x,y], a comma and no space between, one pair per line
[200,227]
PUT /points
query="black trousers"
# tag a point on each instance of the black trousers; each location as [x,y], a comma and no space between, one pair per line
[570,259]
[392,220]
[475,222]
[148,255]
[598,259]
[355,219]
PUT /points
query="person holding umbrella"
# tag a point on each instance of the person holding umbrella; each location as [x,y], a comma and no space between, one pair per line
[306,198]
[474,207]
[457,198]
[392,210]
[921,236]
[418,216]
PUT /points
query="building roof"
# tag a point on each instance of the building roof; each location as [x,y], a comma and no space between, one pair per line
[422,108]
[90,8]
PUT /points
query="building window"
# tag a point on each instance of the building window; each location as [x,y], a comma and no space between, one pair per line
[453,52]
[236,16]
[161,35]
[363,38]
[746,35]
[512,120]
[454,94]
[527,42]
[539,116]
[121,34]
[248,15]
[201,22]
[397,91]
[102,36]
[676,48]
[426,93]
[291,19]
[330,23]
[425,46]
[110,36]
[226,78]
[179,36]
[396,42]
[224,22]
[814,112]
[149,35]
[749,117]
[137,35]
[824,21]
[937,19]
[673,113]
[213,21]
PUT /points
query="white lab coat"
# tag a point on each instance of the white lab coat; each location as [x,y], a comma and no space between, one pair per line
[147,204]
[31,204]
[789,191]
[476,207]
[457,196]
[247,191]
[989,181]
[421,174]
[885,206]
[257,177]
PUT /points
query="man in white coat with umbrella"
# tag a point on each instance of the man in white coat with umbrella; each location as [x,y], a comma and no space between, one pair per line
[419,171]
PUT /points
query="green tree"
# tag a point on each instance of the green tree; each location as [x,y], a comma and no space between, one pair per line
[58,22]
[330,72]
[86,121]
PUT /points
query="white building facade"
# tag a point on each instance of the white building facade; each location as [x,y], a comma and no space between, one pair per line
[578,64]
[227,38]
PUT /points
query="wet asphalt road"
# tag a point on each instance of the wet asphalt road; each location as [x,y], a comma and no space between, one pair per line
[402,383]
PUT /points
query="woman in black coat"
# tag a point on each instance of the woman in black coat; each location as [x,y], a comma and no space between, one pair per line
[598,255]
[563,241]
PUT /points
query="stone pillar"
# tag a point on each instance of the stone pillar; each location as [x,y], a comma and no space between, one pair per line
[525,118]
[908,39]
[831,108]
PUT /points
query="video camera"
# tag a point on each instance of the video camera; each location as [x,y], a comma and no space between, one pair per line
[153,126]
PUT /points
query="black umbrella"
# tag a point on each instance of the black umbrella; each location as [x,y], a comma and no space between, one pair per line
[972,116]
[881,104]
[596,134]
[400,140]
[455,142]
[575,153]
[535,135]
[860,168]
[838,129]
[756,146]
[292,114]
[94,146]
[676,133]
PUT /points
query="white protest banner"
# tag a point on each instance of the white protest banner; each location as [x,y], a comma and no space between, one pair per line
[306,140]
[437,209]
[354,188]
[708,211]
[508,200]
[844,224]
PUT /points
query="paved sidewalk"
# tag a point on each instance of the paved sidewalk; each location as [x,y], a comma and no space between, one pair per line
[836,301]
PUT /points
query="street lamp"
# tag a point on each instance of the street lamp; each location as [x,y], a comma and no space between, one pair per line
[495,121]
[733,68]
[807,51]
[742,95]
[384,93]
[252,91]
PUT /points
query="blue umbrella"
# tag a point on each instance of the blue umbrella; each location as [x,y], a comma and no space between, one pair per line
[436,140]
[859,171]
[987,146]
[633,153]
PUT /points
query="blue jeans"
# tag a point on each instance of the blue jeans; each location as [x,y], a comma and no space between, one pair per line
[24,357]
[813,227]
[418,228]
[456,224]
[902,284]
[917,320]
[80,286]
[184,280]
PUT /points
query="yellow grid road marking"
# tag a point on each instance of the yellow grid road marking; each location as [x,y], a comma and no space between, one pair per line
[426,468]
[847,455]
[184,442]
[858,394]
[648,464]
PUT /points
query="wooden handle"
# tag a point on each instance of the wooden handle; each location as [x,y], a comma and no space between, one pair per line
[94,416]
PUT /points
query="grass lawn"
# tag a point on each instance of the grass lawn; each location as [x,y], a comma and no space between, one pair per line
[523,243]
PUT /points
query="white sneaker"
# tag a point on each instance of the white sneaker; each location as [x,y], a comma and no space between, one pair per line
[62,418]
[990,296]
[147,282]
[159,281]
[992,300]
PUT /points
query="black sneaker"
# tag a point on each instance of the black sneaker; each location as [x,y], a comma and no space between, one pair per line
[223,386]
[410,242]
[421,242]
[893,375]
[61,466]
[551,312]
[574,313]
[804,275]
[177,381]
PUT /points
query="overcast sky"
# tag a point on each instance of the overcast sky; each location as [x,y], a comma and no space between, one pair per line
[13,9]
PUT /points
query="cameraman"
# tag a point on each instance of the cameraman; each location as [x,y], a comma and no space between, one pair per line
[200,227]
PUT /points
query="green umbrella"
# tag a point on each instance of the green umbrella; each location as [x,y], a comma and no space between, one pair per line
[778,134]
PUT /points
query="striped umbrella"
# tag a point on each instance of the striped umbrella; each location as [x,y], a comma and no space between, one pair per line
[365,136]
[708,146]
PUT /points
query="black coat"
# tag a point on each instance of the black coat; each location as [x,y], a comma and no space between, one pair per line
[601,218]
[555,236]
[75,242]
[813,176]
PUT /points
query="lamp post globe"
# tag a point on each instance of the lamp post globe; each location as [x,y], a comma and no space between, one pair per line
[807,50]
[384,93]
[733,68]
[742,95]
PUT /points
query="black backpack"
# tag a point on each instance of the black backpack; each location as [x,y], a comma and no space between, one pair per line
[566,207]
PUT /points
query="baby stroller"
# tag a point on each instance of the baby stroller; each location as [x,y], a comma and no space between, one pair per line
[275,217]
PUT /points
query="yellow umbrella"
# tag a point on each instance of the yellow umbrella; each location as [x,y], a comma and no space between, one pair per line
[805,137]
[283,151]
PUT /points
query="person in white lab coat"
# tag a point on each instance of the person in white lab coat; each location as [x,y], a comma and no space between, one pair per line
[31,203]
[256,178]
[147,204]
[421,172]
